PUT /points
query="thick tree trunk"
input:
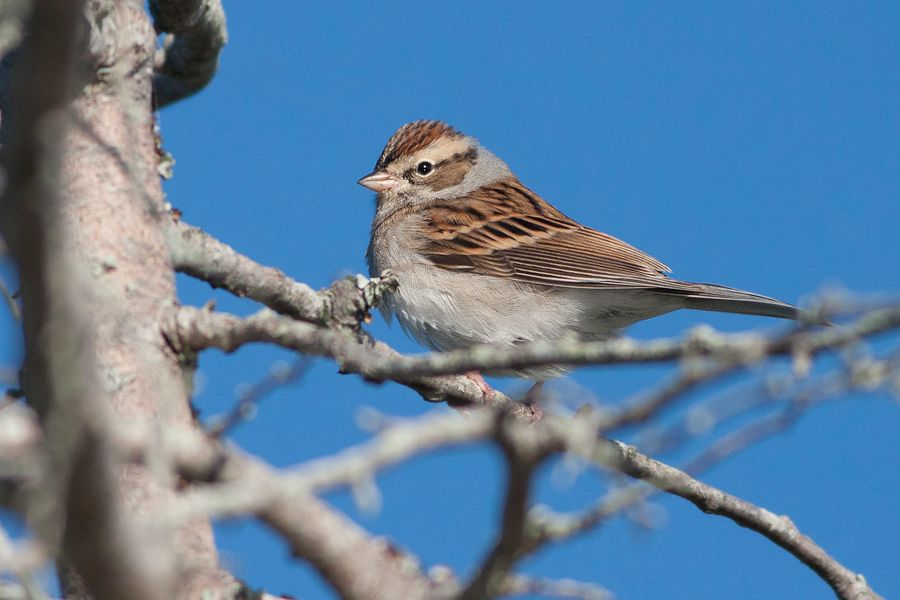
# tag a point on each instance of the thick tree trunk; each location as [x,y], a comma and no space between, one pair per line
[81,216]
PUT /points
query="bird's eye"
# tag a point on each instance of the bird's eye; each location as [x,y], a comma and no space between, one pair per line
[424,167]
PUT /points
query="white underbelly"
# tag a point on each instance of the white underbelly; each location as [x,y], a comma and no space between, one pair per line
[449,310]
[446,310]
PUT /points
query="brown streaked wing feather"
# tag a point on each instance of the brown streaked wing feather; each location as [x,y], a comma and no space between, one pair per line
[506,230]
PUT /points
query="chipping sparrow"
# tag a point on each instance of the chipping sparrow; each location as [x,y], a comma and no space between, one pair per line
[480,258]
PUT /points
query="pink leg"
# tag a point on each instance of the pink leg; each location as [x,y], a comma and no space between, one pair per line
[486,389]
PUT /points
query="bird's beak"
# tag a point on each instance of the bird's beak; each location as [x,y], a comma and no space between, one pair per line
[379,181]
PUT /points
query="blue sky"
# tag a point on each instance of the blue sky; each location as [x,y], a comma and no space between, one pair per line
[754,145]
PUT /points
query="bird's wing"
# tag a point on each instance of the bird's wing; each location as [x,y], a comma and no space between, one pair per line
[506,230]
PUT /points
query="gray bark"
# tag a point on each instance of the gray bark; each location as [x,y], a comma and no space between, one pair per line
[81,217]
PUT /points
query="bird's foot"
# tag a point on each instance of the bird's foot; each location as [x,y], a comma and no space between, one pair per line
[486,389]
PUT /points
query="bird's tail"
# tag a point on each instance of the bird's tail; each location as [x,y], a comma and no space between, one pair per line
[704,296]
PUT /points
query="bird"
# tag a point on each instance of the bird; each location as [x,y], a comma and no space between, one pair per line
[480,258]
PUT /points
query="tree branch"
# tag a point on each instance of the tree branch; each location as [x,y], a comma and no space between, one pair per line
[399,442]
[80,217]
[61,377]
[779,529]
[522,457]
[200,329]
[526,446]
[191,329]
[198,254]
[315,532]
[554,588]
[554,527]
[690,377]
[190,55]
[736,348]
[722,354]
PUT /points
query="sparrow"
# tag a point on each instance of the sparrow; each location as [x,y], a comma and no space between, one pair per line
[482,259]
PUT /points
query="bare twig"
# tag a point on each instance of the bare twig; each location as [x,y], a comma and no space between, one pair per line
[739,348]
[248,399]
[554,588]
[779,529]
[14,309]
[198,254]
[399,442]
[315,531]
[690,377]
[555,527]
[197,330]
[193,329]
[526,445]
[522,456]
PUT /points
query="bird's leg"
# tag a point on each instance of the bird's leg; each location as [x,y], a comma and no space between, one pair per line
[486,389]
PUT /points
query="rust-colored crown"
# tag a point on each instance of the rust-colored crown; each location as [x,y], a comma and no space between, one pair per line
[411,138]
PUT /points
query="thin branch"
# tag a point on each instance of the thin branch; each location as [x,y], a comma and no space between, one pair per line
[553,435]
[198,254]
[397,443]
[315,531]
[727,352]
[522,458]
[200,329]
[690,377]
[779,529]
[191,329]
[14,309]
[554,588]
[190,56]
[344,305]
[555,527]
[248,399]
[549,526]
[737,348]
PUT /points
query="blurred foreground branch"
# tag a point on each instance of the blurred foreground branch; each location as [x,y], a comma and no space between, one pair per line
[239,485]
[189,57]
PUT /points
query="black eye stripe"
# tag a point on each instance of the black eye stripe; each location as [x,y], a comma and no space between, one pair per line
[425,168]
[467,156]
